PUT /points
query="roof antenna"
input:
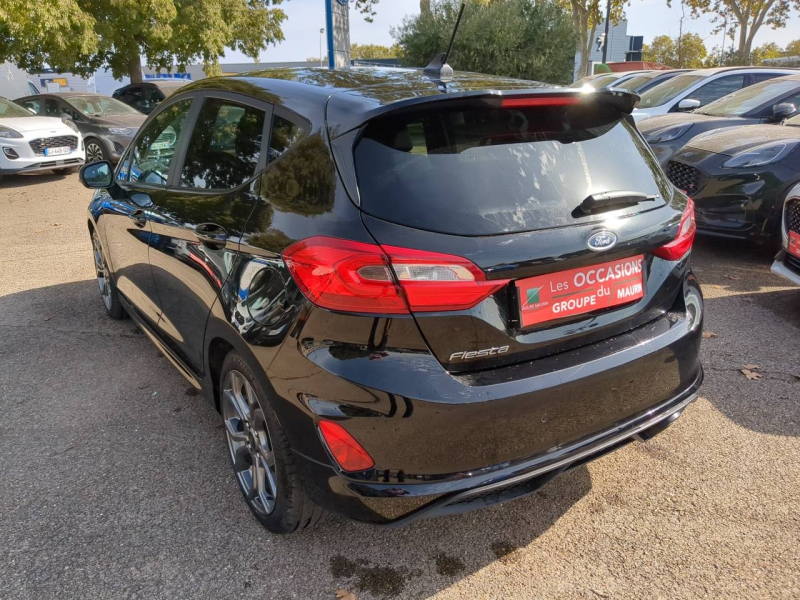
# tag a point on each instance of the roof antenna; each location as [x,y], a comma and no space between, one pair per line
[438,67]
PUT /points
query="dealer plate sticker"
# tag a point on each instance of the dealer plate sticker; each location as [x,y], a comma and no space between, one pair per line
[558,295]
[794,243]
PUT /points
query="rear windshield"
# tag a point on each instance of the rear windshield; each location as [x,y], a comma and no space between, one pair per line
[485,171]
[663,93]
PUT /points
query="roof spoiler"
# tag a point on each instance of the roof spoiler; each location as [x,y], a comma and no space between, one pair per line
[342,118]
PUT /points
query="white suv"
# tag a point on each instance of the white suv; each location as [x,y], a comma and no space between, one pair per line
[29,143]
[694,89]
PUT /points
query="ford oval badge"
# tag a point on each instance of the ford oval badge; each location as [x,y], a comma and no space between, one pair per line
[602,240]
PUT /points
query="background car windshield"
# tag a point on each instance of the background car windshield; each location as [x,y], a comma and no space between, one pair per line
[661,94]
[100,106]
[9,109]
[747,99]
[635,82]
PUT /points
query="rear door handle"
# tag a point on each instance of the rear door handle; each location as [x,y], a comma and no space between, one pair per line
[139,217]
[211,234]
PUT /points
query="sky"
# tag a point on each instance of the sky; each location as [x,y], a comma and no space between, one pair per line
[648,18]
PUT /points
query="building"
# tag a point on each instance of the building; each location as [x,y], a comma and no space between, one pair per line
[621,46]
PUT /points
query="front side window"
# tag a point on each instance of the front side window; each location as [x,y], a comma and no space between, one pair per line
[225,146]
[155,148]
[717,89]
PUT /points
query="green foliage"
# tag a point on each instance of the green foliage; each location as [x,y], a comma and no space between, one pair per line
[686,52]
[367,51]
[748,16]
[793,48]
[529,39]
[764,52]
[81,36]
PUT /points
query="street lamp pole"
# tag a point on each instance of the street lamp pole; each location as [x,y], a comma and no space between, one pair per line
[321,32]
[605,39]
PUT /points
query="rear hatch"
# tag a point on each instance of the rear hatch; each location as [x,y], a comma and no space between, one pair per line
[554,197]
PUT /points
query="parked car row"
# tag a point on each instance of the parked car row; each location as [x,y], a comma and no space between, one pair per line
[74,128]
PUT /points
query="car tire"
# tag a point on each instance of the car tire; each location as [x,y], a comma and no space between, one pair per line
[95,152]
[262,459]
[108,289]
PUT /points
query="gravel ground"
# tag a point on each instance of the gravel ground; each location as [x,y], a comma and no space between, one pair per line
[114,480]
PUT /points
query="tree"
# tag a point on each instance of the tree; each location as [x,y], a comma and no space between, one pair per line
[793,48]
[367,51]
[81,36]
[515,38]
[764,52]
[685,52]
[586,16]
[748,15]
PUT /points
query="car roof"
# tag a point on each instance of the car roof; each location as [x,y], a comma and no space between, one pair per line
[716,70]
[345,99]
[354,95]
[68,94]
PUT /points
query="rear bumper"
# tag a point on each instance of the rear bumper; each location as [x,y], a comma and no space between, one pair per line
[400,505]
[444,443]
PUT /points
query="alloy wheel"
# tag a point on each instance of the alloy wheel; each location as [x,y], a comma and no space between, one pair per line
[94,153]
[249,443]
[103,277]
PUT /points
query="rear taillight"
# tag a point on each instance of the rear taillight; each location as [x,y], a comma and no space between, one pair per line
[680,246]
[350,455]
[366,278]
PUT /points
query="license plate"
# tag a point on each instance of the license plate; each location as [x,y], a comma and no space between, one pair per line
[567,293]
[56,151]
[794,243]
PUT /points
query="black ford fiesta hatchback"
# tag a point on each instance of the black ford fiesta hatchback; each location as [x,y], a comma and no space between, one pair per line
[406,297]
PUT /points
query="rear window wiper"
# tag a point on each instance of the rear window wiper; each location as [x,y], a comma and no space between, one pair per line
[603,200]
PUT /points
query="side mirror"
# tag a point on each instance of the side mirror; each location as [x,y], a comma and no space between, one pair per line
[783,110]
[688,104]
[32,111]
[98,175]
[66,115]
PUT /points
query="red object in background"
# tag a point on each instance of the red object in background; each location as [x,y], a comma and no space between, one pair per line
[557,295]
[794,243]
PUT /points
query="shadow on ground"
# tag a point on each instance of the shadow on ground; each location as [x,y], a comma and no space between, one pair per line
[28,179]
[137,468]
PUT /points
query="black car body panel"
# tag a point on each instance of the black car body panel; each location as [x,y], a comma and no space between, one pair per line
[743,202]
[443,433]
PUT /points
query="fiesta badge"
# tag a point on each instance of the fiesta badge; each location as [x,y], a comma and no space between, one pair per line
[602,240]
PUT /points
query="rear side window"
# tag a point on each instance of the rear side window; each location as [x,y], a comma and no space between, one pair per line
[485,171]
[716,89]
[285,134]
[225,146]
